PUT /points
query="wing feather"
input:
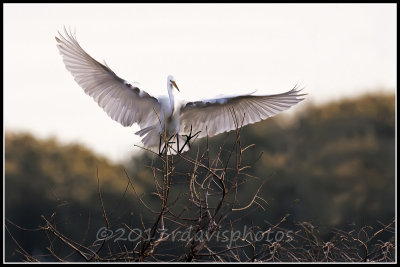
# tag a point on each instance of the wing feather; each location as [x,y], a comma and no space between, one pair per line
[220,115]
[123,102]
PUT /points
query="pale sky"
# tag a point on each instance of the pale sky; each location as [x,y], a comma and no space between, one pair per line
[333,50]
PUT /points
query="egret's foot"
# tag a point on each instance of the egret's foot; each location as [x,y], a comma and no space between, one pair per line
[159,148]
[188,138]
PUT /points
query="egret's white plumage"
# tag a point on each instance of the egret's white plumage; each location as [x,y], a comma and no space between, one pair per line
[128,103]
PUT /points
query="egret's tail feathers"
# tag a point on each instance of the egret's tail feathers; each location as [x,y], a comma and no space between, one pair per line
[153,142]
[151,139]
[145,130]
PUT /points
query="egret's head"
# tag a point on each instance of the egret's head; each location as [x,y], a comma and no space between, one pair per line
[171,81]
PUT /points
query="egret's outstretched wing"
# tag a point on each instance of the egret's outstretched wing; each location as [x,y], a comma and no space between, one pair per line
[123,102]
[220,115]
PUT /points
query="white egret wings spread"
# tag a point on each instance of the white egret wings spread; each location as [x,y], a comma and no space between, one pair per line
[123,102]
[215,116]
[129,103]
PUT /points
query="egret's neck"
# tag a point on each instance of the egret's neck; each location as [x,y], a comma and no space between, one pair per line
[171,97]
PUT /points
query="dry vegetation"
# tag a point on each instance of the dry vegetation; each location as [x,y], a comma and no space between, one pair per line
[207,205]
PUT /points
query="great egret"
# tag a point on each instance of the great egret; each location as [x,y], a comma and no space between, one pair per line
[162,118]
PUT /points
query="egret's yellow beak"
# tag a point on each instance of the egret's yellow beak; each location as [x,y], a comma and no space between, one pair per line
[176,86]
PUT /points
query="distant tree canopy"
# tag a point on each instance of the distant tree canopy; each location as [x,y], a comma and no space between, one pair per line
[333,165]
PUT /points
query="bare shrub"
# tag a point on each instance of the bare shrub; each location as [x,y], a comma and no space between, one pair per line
[204,221]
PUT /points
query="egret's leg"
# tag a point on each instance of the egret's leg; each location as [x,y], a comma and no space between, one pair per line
[188,138]
[164,147]
[159,147]
[177,143]
[180,151]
